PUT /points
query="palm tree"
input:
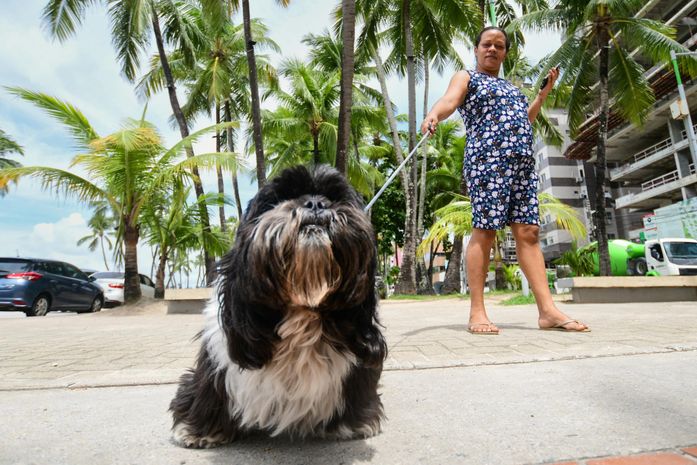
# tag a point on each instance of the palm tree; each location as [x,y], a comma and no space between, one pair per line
[219,79]
[132,22]
[221,10]
[126,169]
[445,178]
[308,109]
[8,146]
[602,41]
[102,227]
[174,227]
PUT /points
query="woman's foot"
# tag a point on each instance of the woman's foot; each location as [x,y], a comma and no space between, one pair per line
[556,320]
[479,324]
[483,328]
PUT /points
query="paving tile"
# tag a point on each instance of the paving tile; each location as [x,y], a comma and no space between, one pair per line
[691,451]
[660,458]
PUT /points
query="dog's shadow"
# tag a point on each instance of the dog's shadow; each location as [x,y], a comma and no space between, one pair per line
[260,449]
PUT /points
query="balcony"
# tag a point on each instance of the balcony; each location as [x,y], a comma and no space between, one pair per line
[659,190]
[642,163]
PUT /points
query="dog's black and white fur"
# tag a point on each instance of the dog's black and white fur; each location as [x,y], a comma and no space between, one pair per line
[291,344]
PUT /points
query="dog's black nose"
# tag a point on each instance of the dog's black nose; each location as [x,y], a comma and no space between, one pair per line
[315,204]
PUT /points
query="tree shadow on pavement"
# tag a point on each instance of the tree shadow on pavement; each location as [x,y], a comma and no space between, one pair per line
[458,328]
[260,449]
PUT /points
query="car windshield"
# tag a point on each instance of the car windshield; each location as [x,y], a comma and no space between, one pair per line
[13,266]
[681,249]
[108,275]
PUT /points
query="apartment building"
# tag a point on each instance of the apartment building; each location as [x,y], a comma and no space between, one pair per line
[564,179]
[651,166]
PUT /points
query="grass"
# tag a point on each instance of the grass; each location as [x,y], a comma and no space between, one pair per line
[445,296]
[426,297]
[519,299]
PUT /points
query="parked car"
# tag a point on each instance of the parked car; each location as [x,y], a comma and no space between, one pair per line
[38,286]
[112,283]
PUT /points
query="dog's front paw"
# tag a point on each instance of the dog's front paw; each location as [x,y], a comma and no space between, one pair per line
[182,435]
[364,431]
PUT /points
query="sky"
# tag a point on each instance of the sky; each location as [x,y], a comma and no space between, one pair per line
[83,71]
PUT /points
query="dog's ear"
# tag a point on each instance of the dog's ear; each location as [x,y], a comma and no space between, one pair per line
[370,344]
[358,329]
[250,333]
[249,326]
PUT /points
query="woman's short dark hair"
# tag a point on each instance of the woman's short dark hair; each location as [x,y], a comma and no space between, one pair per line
[492,28]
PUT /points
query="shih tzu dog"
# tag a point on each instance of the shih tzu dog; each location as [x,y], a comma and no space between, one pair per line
[292,344]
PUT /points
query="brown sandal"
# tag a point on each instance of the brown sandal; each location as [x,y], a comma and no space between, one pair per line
[488,332]
[562,327]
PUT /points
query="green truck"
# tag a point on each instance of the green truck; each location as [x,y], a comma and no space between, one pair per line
[655,257]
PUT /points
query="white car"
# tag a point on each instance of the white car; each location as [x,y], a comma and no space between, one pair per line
[112,283]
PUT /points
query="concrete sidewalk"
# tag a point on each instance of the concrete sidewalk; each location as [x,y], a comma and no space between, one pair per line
[525,396]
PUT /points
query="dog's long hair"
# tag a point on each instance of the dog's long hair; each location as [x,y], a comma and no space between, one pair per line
[292,342]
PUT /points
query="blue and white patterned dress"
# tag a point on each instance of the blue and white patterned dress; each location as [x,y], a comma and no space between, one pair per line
[499,163]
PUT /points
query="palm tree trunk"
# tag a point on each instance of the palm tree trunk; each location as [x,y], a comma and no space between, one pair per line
[184,131]
[424,158]
[101,243]
[219,171]
[131,289]
[231,148]
[409,284]
[254,88]
[160,276]
[500,278]
[348,32]
[453,276]
[406,284]
[315,149]
[451,283]
[155,253]
[601,230]
[423,273]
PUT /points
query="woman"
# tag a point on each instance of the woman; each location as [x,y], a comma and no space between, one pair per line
[500,171]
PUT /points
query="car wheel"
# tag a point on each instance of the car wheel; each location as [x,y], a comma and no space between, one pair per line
[40,307]
[96,306]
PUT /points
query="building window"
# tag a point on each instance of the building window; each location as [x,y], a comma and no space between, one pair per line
[611,236]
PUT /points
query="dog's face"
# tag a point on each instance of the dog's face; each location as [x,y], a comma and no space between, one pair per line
[305,242]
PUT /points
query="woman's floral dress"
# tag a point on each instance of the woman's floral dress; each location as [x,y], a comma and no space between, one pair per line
[499,164]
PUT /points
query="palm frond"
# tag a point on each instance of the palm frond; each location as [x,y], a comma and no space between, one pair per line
[631,90]
[67,114]
[61,17]
[62,183]
[566,216]
[130,25]
[193,137]
[8,145]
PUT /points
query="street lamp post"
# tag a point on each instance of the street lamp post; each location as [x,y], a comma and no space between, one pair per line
[691,138]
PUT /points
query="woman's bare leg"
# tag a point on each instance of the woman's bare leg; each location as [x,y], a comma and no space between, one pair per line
[533,265]
[478,251]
